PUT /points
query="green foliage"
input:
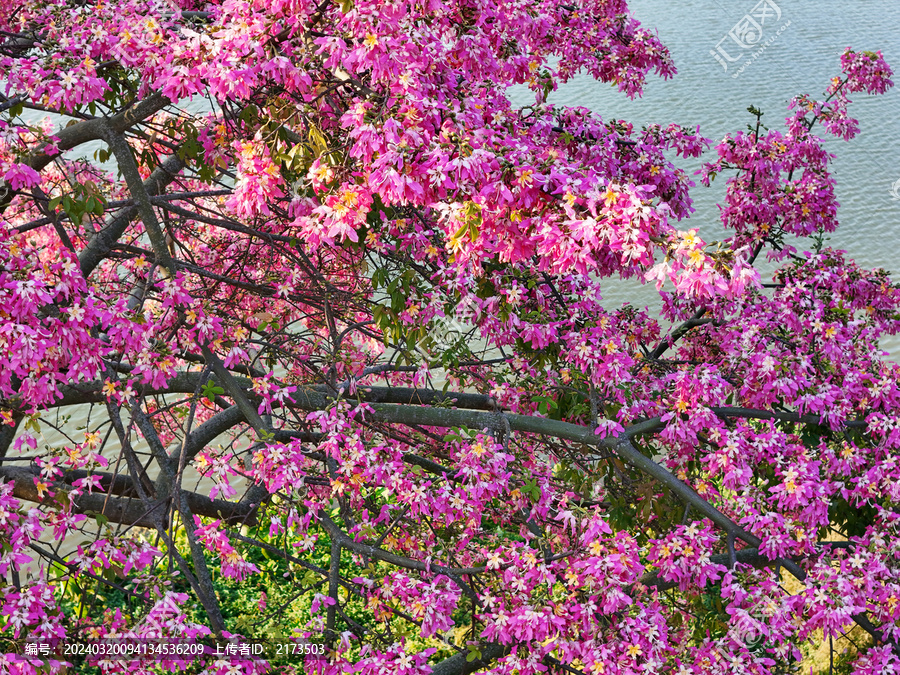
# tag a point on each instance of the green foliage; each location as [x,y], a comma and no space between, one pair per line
[79,201]
[210,390]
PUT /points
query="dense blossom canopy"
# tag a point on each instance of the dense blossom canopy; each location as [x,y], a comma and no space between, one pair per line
[337,343]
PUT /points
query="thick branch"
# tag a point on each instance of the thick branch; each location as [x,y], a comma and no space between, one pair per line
[129,169]
[92,130]
[124,509]
[101,243]
[388,403]
[458,664]
[8,434]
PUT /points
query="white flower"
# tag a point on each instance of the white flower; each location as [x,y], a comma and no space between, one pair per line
[76,313]
[67,81]
[857,561]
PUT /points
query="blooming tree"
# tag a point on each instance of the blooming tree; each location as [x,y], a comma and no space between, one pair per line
[245,308]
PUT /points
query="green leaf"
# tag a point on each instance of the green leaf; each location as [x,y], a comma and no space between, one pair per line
[545,404]
[249,113]
[211,390]
[531,489]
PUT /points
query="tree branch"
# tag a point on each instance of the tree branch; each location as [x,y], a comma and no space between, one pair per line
[458,664]
[102,242]
[129,168]
[123,509]
[91,130]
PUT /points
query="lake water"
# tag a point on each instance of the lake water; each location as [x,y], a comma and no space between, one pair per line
[801,58]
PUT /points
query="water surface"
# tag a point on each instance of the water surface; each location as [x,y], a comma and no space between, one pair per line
[797,52]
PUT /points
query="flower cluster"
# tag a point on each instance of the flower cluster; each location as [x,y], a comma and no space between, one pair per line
[233,564]
[683,555]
